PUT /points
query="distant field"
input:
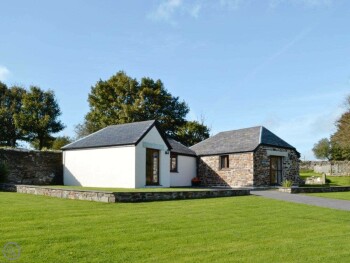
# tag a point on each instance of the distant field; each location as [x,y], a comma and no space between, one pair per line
[334,180]
[236,229]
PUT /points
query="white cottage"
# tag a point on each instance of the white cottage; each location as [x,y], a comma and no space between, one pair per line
[183,164]
[132,155]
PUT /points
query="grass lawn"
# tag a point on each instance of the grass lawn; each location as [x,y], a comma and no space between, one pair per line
[235,229]
[149,189]
[336,195]
[335,180]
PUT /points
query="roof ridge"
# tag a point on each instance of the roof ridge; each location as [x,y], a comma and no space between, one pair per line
[129,123]
[248,128]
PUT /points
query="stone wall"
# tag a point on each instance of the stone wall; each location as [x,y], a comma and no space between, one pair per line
[121,197]
[334,168]
[239,173]
[33,167]
[290,165]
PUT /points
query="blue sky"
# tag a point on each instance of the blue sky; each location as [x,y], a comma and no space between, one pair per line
[283,64]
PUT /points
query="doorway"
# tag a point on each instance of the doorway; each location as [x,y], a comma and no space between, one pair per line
[152,167]
[275,170]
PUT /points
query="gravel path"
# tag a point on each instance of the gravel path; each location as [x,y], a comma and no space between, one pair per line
[304,199]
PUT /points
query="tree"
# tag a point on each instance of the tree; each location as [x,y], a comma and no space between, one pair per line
[38,116]
[81,130]
[60,141]
[122,99]
[192,132]
[10,105]
[341,138]
[322,149]
[112,102]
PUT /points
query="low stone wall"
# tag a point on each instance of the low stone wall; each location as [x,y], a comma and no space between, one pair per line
[304,190]
[131,197]
[98,196]
[33,167]
[121,197]
[334,168]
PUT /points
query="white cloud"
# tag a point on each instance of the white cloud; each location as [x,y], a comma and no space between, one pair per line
[4,73]
[194,10]
[166,10]
[232,4]
[169,9]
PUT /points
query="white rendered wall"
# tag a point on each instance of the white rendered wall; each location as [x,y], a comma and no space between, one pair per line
[187,169]
[155,141]
[100,167]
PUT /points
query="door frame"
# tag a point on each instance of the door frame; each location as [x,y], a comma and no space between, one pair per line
[276,174]
[152,179]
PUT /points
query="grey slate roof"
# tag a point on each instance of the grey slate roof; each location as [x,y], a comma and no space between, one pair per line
[179,148]
[115,135]
[243,140]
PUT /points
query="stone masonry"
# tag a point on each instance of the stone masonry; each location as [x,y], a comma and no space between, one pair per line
[290,165]
[334,168]
[247,169]
[121,197]
[33,167]
[239,173]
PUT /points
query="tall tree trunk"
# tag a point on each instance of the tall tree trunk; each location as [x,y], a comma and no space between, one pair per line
[41,143]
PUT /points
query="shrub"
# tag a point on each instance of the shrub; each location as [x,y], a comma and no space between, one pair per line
[3,172]
[287,183]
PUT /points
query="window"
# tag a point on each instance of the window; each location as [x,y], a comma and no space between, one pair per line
[173,162]
[224,162]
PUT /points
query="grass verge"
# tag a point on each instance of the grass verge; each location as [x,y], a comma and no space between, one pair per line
[334,180]
[335,195]
[236,229]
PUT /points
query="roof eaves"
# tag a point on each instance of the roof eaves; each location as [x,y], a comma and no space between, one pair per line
[185,154]
[223,153]
[96,147]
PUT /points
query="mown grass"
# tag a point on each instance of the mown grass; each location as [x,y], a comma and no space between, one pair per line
[147,189]
[236,229]
[334,195]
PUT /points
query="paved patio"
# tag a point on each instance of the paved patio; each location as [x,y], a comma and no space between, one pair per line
[304,199]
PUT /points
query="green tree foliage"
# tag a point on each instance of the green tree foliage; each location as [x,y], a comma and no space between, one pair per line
[338,147]
[51,143]
[60,141]
[342,135]
[10,105]
[122,99]
[39,116]
[341,138]
[322,149]
[81,130]
[192,132]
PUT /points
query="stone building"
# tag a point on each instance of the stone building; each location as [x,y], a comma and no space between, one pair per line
[246,157]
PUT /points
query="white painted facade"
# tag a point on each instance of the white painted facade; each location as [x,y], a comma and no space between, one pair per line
[100,167]
[186,170]
[152,140]
[116,166]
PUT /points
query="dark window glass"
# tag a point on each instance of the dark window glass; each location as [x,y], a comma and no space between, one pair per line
[173,162]
[224,162]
